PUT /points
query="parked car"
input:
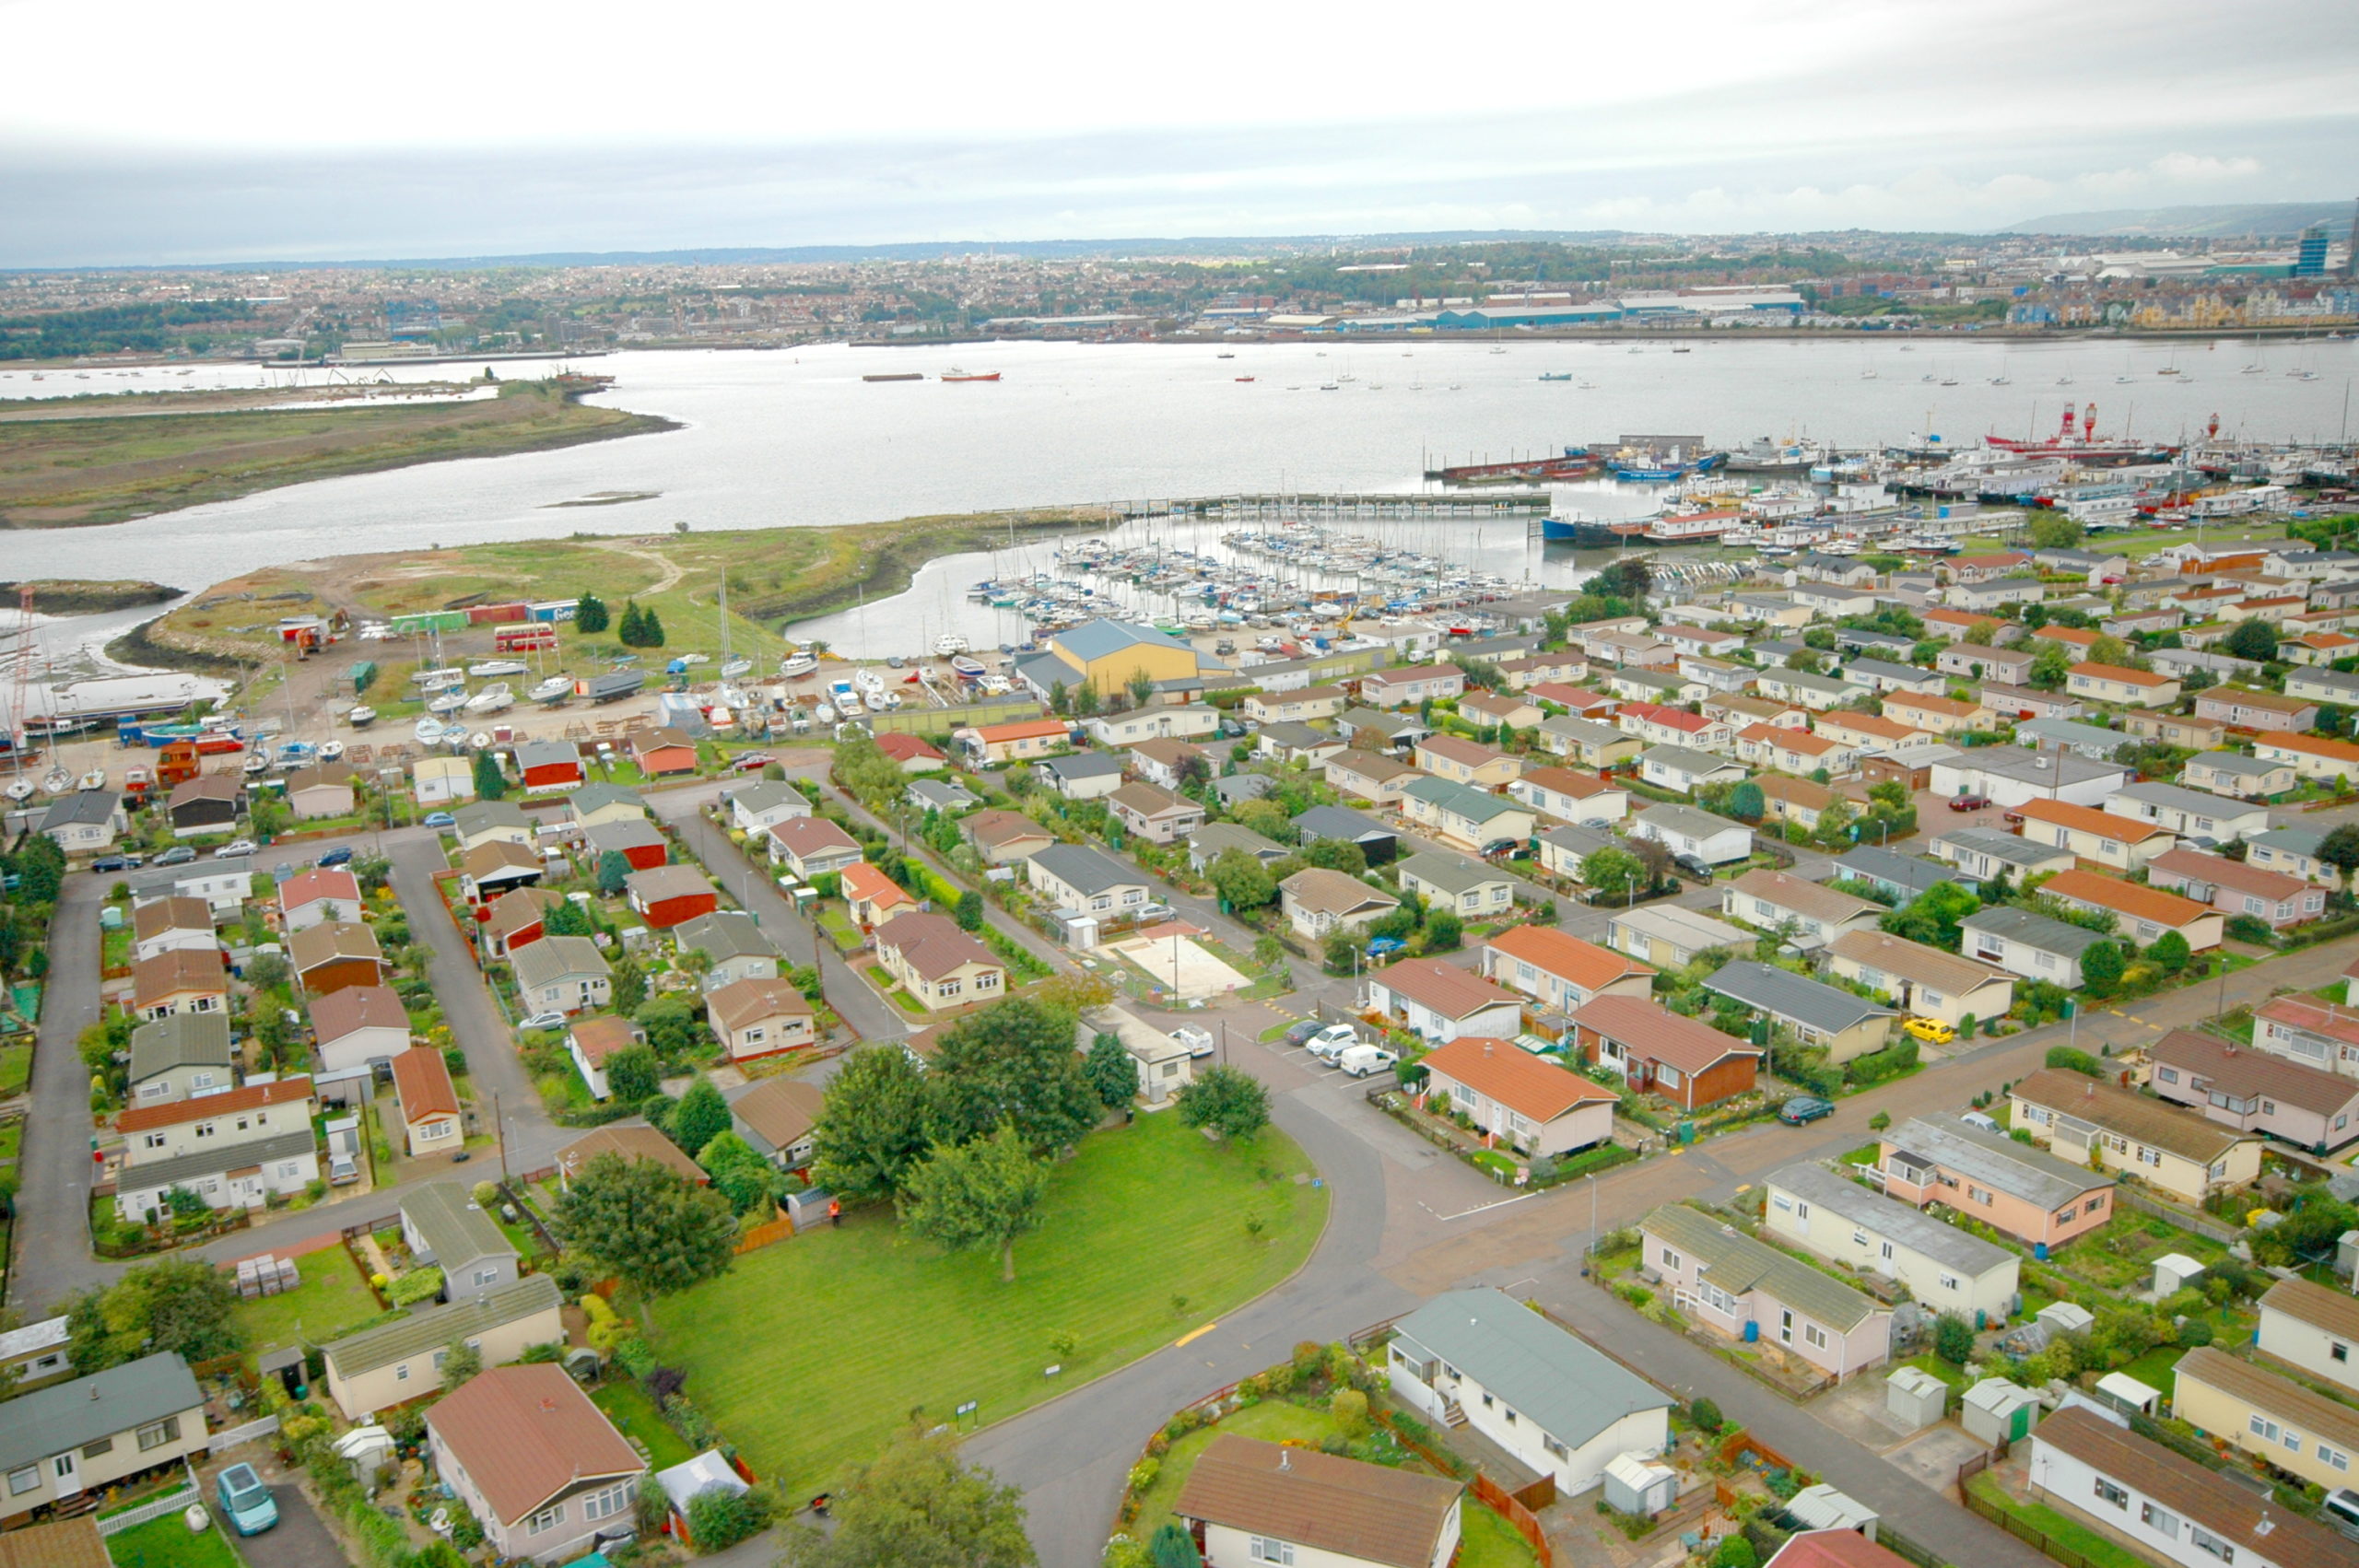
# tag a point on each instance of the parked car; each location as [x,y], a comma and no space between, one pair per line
[440,819]
[342,1169]
[339,856]
[282,872]
[542,1021]
[1695,866]
[1332,1041]
[1299,1032]
[235,847]
[1968,802]
[111,863]
[1198,1041]
[1361,1061]
[245,1502]
[1932,1031]
[752,762]
[1801,1109]
[2340,1509]
[178,855]
[1385,947]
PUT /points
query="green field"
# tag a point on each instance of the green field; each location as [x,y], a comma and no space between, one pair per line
[808,1354]
[167,1543]
[331,1298]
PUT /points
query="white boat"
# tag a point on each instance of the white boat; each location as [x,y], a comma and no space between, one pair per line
[94,780]
[57,782]
[967,669]
[798,721]
[19,788]
[361,718]
[736,668]
[490,668]
[849,703]
[442,680]
[257,763]
[823,714]
[950,643]
[449,702]
[455,737]
[429,730]
[480,739]
[696,659]
[556,688]
[795,664]
[886,701]
[492,699]
[868,681]
[330,751]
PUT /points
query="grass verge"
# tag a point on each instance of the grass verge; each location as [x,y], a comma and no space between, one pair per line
[915,1329]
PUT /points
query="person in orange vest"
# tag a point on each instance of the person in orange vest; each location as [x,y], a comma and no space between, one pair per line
[835,1211]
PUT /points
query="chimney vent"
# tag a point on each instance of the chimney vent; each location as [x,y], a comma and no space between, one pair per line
[1286,1459]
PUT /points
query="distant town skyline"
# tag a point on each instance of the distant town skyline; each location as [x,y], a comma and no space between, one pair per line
[500,129]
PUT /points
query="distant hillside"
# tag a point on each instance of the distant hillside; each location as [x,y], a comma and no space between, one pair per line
[2191,222]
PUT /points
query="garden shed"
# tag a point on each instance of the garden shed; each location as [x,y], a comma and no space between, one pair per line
[2126,1394]
[2173,1271]
[1638,1488]
[684,1484]
[1821,1507]
[1999,1411]
[1918,1398]
[2065,1318]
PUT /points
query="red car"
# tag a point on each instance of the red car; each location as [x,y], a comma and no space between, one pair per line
[1968,802]
[753,762]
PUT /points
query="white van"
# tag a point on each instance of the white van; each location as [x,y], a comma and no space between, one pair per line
[1361,1061]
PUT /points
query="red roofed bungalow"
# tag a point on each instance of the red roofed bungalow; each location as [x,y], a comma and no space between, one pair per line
[912,754]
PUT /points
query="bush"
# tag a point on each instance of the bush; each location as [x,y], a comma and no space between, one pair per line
[1349,1407]
[414,1286]
[1704,1416]
[2250,928]
[719,1520]
[2078,1062]
[1954,1339]
[2195,1331]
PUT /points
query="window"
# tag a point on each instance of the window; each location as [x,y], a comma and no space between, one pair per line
[2339,1351]
[1782,1202]
[1858,1236]
[1978,1194]
[1815,1336]
[401,1373]
[548,1518]
[605,1501]
[2093,1205]
[2161,1521]
[1717,1298]
[2205,1541]
[62,1467]
[1949,1282]
[2333,1459]
[155,1141]
[1262,1549]
[23,1479]
[204,1129]
[2262,1427]
[2168,1074]
[165,1431]
[1671,1261]
[2111,1493]
[103,1445]
[1884,1252]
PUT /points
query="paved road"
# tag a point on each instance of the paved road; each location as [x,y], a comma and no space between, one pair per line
[300,1540]
[53,1208]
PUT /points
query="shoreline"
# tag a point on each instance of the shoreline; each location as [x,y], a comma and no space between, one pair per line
[69,597]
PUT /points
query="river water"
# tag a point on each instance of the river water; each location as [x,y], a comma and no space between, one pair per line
[797,439]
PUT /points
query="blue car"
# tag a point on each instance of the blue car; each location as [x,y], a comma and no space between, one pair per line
[341,856]
[245,1502]
[441,819]
[1385,947]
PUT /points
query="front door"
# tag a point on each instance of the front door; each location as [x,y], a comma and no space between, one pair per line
[65,1474]
[1784,1327]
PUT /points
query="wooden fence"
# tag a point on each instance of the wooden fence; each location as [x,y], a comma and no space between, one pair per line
[2028,1533]
[1493,1497]
[759,1237]
[2199,1224]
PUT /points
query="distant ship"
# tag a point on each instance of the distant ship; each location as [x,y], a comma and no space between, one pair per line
[955,374]
[896,375]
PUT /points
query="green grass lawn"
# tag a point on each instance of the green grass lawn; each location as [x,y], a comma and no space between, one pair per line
[2153,1368]
[167,1543]
[333,1297]
[1930,1363]
[12,1139]
[1486,1540]
[2100,1552]
[16,1068]
[807,1354]
[629,1407]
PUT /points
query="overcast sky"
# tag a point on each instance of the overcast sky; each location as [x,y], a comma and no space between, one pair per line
[139,133]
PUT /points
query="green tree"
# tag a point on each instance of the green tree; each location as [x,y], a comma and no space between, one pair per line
[490,783]
[2252,639]
[627,992]
[1172,1547]
[870,1127]
[1227,1099]
[633,1074]
[2171,952]
[1013,1062]
[2053,531]
[1265,817]
[1335,855]
[976,1195]
[1746,802]
[2051,663]
[969,912]
[1444,930]
[614,873]
[718,1519]
[2109,649]
[1808,660]
[699,1117]
[1113,1073]
[647,1224]
[916,1506]
[861,766]
[1612,870]
[1241,880]
[181,1304]
[1933,916]
[565,917]
[39,866]
[741,1174]
[2340,848]
[461,1362]
[2101,969]
[1954,1339]
[1142,687]
[590,615]
[1734,1551]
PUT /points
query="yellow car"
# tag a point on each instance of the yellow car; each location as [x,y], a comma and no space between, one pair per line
[1932,1031]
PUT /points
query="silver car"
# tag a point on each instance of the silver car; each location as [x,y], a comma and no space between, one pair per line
[1332,1041]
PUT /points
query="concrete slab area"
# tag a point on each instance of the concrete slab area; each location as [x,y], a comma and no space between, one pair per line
[1934,1455]
[1857,1411]
[1175,962]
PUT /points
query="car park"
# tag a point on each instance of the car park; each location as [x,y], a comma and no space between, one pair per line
[1198,1041]
[1932,1031]
[339,856]
[1332,1041]
[440,819]
[245,1502]
[235,847]
[1801,1109]
[178,855]
[542,1021]
[1360,1060]
[1968,802]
